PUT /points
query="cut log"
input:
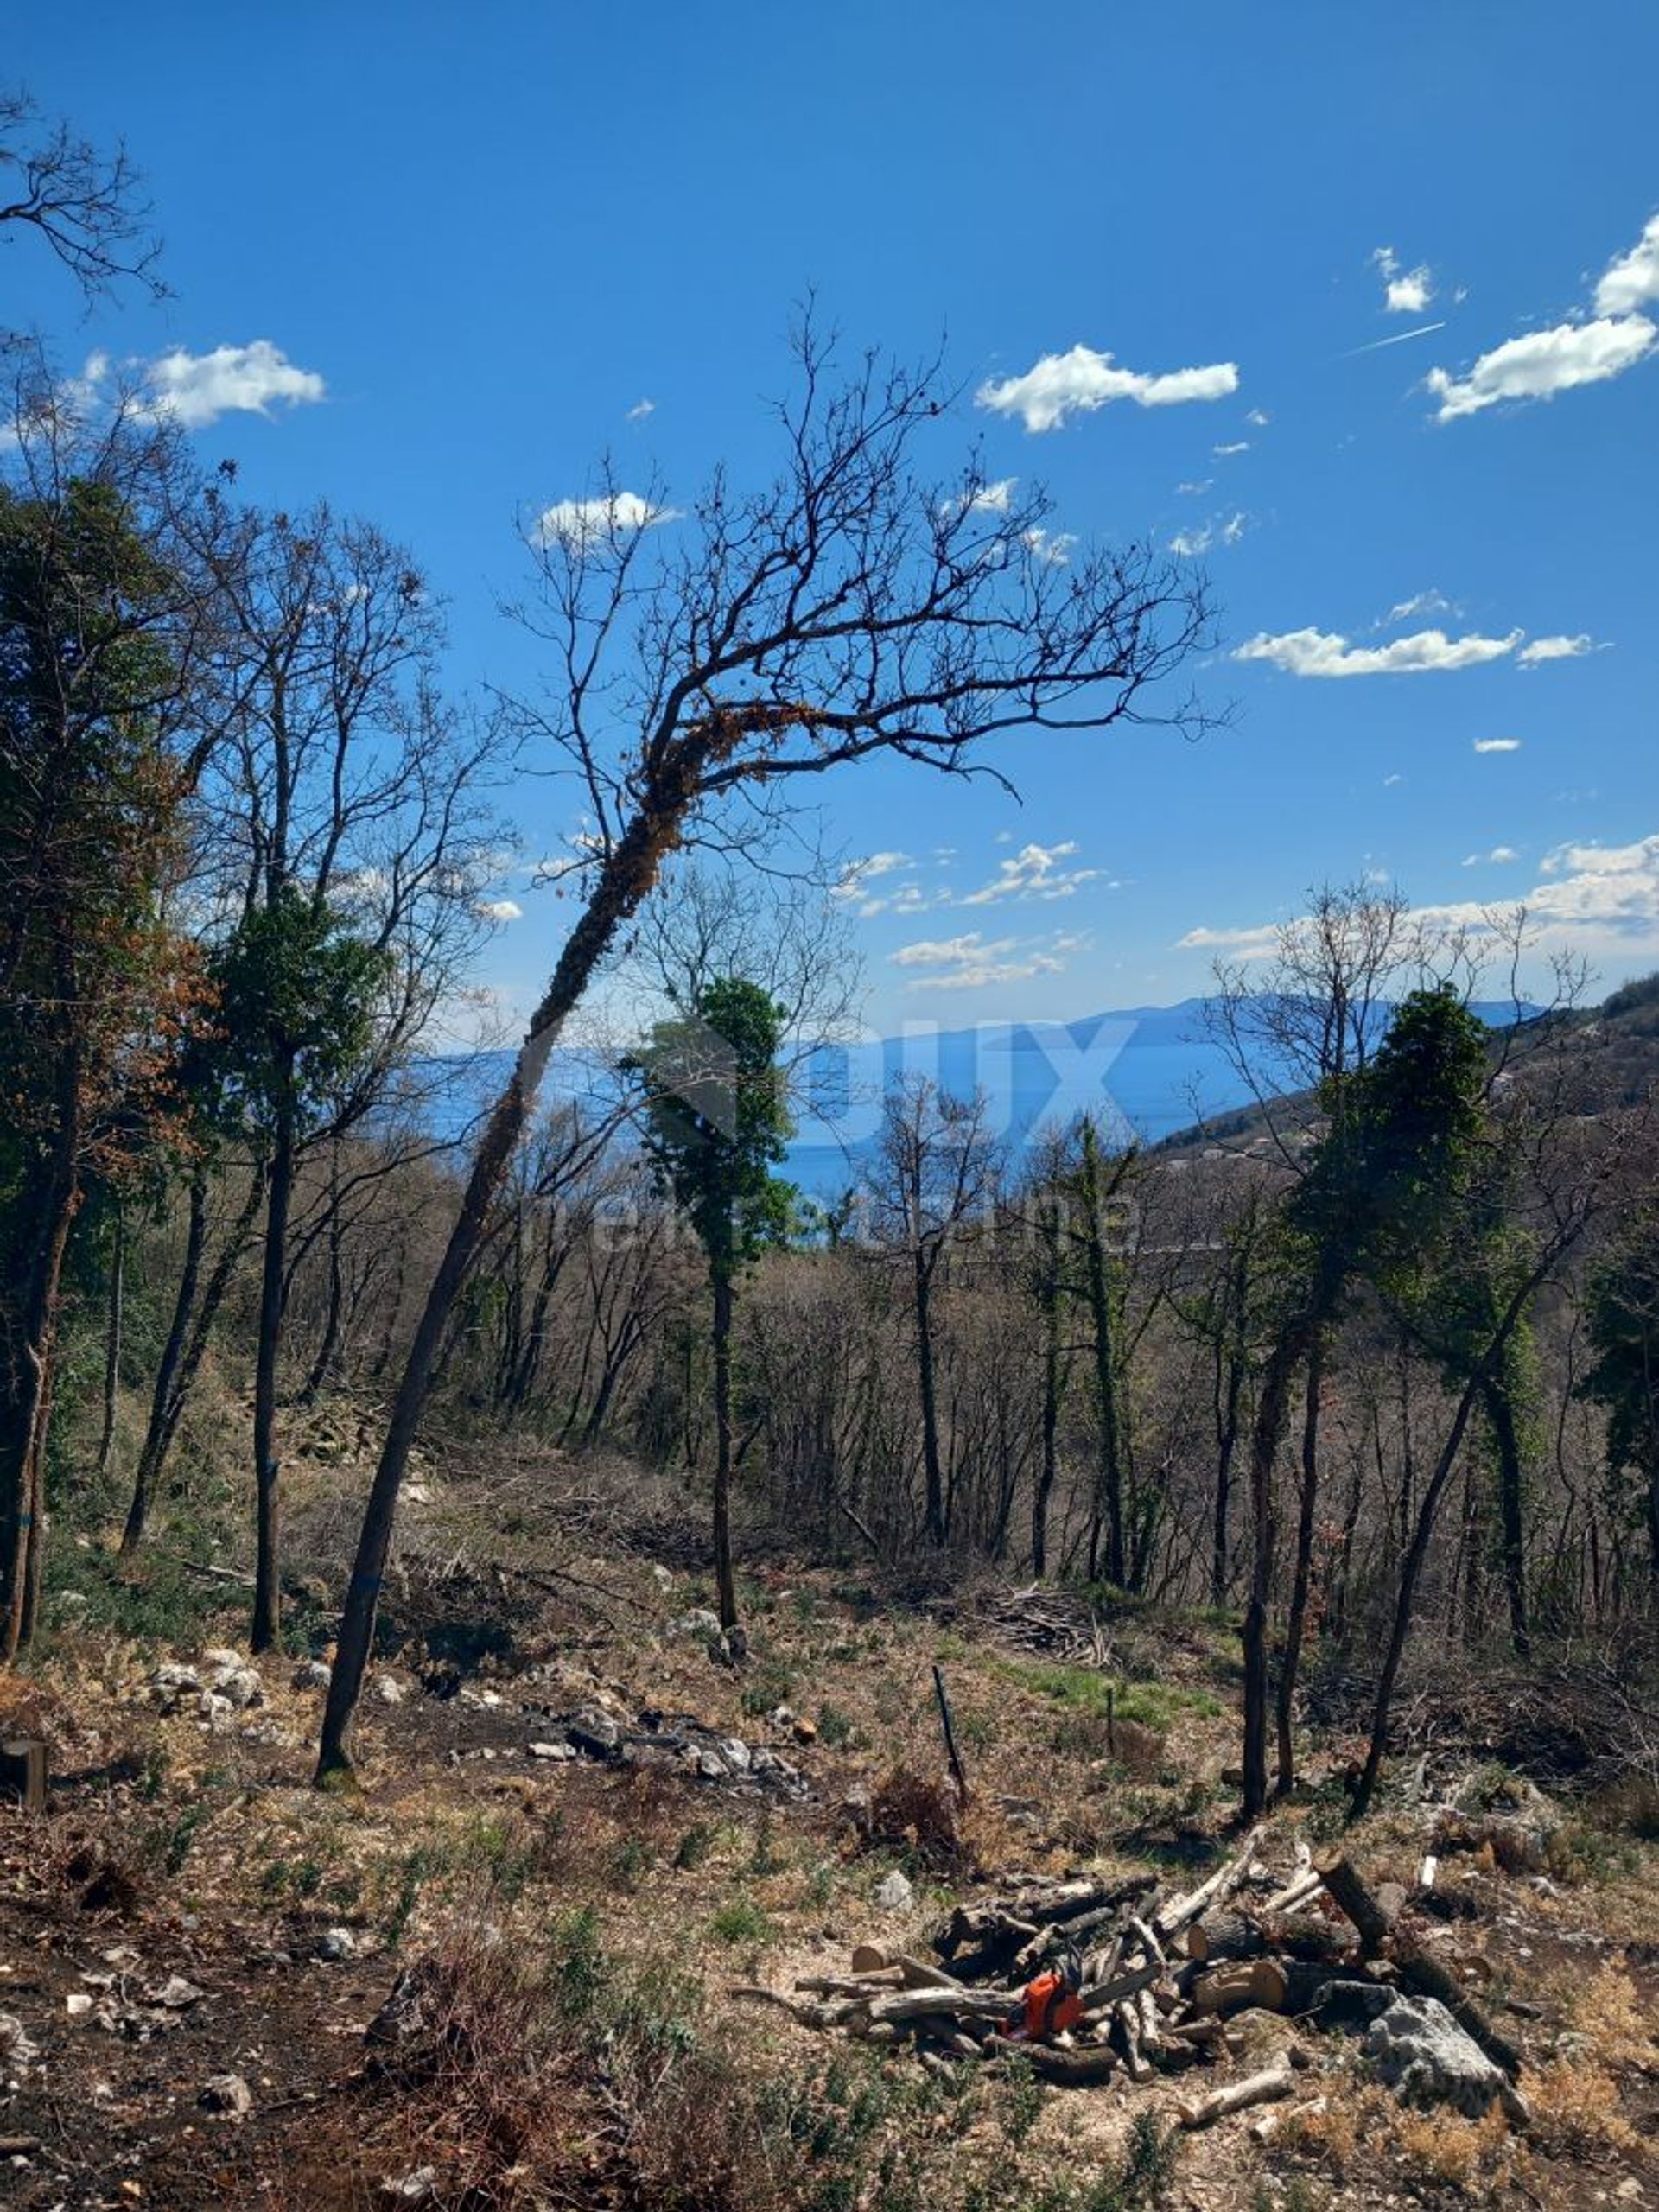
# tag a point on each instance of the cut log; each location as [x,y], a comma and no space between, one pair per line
[1256,2089]
[918,1973]
[1246,1983]
[1180,1912]
[846,1985]
[869,1959]
[1303,1884]
[1067,2068]
[22,1773]
[956,2003]
[1350,1895]
[1428,1977]
[1311,1936]
[1221,1936]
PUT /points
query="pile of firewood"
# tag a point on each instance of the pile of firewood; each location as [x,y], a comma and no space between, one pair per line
[1154,1977]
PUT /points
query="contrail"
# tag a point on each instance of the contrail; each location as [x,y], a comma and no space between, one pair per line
[1399,338]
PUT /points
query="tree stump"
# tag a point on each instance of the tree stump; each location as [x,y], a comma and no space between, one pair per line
[22,1773]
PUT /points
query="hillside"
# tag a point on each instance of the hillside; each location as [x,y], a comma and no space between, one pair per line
[512,1971]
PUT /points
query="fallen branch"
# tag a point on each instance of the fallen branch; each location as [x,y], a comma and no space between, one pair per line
[1256,2089]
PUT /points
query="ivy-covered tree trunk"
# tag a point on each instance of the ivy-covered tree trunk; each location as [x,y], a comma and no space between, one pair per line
[267,1588]
[627,875]
[32,1366]
[1503,1416]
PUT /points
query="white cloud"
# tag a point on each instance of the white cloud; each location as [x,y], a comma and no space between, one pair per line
[993,499]
[1545,362]
[501,909]
[972,960]
[1324,652]
[640,408]
[1258,418]
[1389,782]
[1497,745]
[1226,452]
[1423,602]
[1061,385]
[1249,944]
[1633,278]
[196,389]
[1500,857]
[583,523]
[1406,292]
[1052,547]
[1218,531]
[1034,872]
[1588,898]
[1542,649]
[1196,488]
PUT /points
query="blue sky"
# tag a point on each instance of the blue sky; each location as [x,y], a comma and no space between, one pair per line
[452,252]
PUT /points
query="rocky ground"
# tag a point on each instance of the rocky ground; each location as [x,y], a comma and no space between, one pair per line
[504,1972]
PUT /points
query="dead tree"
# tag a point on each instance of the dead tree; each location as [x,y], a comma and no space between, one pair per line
[851,611]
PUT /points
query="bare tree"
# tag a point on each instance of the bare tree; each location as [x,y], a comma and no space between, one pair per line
[936,1173]
[851,610]
[86,205]
[349,810]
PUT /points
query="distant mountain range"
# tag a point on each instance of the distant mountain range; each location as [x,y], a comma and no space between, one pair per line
[1150,1070]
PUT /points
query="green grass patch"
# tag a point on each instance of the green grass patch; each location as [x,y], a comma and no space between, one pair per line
[1083,1690]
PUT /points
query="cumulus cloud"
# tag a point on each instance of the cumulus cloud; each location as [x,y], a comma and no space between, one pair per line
[196,389]
[1062,385]
[1220,530]
[1324,652]
[501,909]
[640,408]
[583,523]
[1497,745]
[1226,452]
[1542,649]
[972,960]
[1406,292]
[1259,417]
[1499,856]
[1034,872]
[1633,278]
[1575,351]
[1545,362]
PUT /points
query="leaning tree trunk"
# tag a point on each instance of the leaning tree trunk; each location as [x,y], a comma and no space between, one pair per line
[1296,1622]
[1411,1570]
[267,1471]
[625,876]
[173,1384]
[152,1451]
[724,1580]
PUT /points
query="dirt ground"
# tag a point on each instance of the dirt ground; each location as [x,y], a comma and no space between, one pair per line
[191,1909]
